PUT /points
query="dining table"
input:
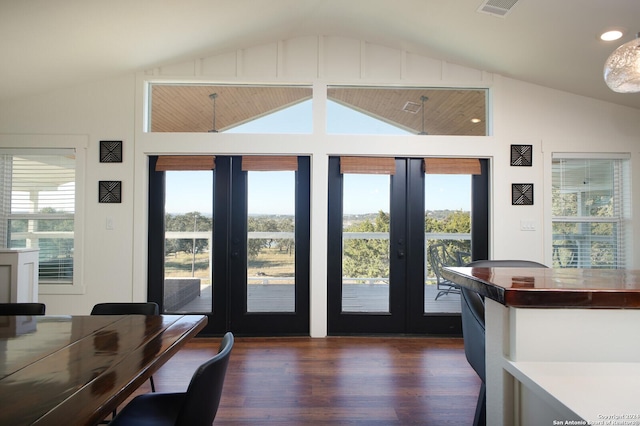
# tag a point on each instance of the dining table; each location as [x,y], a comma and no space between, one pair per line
[561,344]
[75,370]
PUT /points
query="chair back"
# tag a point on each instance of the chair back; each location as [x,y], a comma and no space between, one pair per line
[127,308]
[205,389]
[472,313]
[22,308]
[505,264]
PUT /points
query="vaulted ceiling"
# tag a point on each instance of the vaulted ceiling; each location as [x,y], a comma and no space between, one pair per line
[47,45]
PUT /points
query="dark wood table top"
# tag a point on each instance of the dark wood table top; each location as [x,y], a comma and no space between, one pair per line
[68,370]
[552,288]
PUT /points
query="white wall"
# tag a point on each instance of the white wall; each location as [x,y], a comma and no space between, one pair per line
[115,261]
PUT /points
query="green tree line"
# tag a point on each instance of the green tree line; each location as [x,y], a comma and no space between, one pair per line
[196,222]
[369,257]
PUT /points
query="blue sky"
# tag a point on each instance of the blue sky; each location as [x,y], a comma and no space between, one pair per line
[191,191]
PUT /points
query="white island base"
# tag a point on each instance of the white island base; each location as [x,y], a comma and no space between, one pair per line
[551,366]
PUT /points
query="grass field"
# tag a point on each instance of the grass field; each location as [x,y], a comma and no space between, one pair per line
[269,263]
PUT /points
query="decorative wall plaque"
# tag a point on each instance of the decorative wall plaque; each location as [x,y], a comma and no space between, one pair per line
[522,194]
[111,151]
[110,191]
[521,155]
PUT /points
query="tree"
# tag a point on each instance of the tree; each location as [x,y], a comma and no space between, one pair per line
[367,257]
[189,222]
[269,224]
[456,222]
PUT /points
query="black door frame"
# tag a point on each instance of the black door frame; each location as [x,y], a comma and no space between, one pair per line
[268,323]
[230,248]
[406,309]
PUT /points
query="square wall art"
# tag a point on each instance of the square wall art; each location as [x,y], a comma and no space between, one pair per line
[111,151]
[521,155]
[522,194]
[110,191]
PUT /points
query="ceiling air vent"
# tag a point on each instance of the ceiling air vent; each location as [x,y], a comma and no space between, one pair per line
[497,7]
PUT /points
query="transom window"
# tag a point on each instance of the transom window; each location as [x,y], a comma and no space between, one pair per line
[397,110]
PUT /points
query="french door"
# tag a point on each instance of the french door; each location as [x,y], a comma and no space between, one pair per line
[379,276]
[244,262]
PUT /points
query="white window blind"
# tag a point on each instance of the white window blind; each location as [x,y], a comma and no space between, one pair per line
[38,207]
[590,211]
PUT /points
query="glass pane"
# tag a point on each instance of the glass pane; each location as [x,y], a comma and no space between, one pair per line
[447,237]
[54,239]
[365,252]
[590,207]
[188,241]
[397,110]
[42,211]
[271,283]
[223,108]
[585,245]
[583,187]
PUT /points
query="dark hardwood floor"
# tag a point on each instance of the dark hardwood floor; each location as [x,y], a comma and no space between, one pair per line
[335,381]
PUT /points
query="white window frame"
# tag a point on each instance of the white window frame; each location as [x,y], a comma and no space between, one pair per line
[622,202]
[79,143]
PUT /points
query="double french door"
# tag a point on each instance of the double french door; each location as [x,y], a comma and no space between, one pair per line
[380,228]
[230,239]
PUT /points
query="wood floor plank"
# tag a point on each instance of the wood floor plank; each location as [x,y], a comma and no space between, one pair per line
[335,381]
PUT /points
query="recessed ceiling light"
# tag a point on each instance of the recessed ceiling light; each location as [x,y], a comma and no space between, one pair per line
[475,120]
[611,35]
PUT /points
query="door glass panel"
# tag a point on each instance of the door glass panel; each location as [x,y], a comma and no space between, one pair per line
[365,246]
[188,242]
[271,283]
[447,237]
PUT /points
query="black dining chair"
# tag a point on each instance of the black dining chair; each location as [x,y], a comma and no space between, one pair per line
[195,407]
[128,308]
[473,329]
[22,308]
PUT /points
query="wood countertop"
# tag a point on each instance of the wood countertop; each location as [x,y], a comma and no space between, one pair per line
[552,288]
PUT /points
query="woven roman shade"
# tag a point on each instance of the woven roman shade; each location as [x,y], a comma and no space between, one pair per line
[269,163]
[368,165]
[452,166]
[185,162]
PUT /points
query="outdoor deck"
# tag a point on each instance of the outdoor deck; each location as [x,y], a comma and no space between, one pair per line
[357,298]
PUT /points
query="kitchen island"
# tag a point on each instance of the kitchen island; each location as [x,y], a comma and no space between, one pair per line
[562,345]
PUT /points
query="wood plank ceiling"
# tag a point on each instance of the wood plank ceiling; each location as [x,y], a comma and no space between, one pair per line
[189,108]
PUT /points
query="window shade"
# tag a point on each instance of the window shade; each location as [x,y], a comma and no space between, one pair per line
[368,165]
[42,209]
[590,212]
[185,162]
[269,163]
[43,184]
[452,166]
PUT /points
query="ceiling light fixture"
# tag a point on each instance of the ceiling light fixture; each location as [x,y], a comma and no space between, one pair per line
[423,99]
[213,97]
[611,35]
[622,68]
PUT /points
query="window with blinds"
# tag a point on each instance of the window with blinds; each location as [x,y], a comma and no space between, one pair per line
[590,211]
[38,208]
